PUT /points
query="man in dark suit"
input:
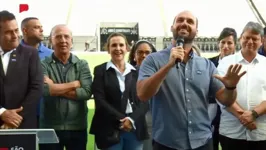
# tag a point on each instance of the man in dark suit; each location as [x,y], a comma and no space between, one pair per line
[21,79]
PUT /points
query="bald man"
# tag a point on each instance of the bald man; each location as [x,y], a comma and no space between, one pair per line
[32,32]
[179,82]
[67,87]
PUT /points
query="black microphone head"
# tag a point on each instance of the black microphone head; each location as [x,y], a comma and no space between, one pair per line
[180,41]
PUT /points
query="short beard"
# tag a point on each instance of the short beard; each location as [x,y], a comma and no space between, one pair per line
[187,40]
[35,40]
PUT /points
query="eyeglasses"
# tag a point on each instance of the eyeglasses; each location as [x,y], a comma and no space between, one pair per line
[141,53]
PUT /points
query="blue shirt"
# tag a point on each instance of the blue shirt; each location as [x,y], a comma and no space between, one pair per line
[180,108]
[43,52]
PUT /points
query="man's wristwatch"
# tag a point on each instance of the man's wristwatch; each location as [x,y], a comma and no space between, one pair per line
[230,88]
[255,114]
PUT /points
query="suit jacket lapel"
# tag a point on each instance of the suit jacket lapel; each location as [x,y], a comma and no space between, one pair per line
[217,60]
[113,79]
[126,94]
[2,74]
[14,58]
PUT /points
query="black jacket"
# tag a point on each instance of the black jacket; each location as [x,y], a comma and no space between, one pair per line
[22,85]
[215,60]
[111,107]
[216,120]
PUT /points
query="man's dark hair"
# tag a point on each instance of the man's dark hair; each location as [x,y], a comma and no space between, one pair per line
[264,29]
[134,49]
[26,20]
[197,22]
[6,16]
[228,32]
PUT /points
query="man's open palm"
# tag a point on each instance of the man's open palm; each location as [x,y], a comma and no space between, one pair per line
[232,76]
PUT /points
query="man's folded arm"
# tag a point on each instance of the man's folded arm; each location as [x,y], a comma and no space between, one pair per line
[55,89]
[61,89]
[84,92]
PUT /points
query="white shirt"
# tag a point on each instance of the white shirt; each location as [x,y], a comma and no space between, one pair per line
[121,79]
[5,61]
[251,91]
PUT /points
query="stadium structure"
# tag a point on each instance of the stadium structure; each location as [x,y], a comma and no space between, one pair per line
[92,21]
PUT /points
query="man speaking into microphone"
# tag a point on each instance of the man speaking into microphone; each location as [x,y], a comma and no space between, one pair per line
[180,94]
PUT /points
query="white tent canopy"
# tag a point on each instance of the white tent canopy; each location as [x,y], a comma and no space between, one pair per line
[154,16]
[261,7]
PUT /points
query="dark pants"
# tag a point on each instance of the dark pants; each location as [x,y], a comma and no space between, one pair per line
[128,141]
[215,137]
[235,144]
[158,146]
[38,123]
[216,125]
[148,143]
[71,140]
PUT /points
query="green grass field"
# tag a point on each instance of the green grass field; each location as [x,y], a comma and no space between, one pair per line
[93,60]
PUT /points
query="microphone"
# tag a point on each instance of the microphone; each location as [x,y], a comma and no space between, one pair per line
[179,42]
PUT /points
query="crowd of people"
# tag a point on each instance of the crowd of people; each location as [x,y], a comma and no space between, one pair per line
[171,99]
